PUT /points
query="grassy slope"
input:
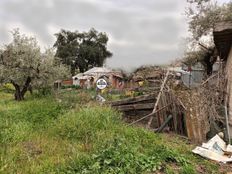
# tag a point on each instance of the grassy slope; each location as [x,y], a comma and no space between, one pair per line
[73,135]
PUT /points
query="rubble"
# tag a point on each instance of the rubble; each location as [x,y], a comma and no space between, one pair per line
[215,149]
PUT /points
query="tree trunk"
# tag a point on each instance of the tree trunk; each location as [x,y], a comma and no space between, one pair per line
[19,94]
[73,69]
[26,86]
[30,89]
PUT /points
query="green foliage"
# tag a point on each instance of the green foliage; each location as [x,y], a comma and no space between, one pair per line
[85,124]
[187,169]
[44,135]
[15,132]
[203,14]
[24,66]
[7,87]
[74,98]
[191,58]
[118,156]
[82,50]
[70,86]
[34,112]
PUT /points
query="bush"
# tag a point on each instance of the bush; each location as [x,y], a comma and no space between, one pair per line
[7,87]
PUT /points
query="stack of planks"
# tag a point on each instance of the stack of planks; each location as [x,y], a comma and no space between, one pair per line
[136,107]
[158,110]
[137,103]
[140,109]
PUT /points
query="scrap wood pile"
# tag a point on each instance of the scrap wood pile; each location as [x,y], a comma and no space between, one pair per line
[196,120]
[150,75]
[205,110]
[197,113]
[159,110]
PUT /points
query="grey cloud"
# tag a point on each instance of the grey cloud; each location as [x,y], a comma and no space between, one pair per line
[3,33]
[146,28]
[140,55]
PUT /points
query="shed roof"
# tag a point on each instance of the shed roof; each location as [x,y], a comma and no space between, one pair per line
[223,37]
[96,70]
[78,75]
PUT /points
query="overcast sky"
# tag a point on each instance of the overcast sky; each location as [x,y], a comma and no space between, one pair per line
[140,31]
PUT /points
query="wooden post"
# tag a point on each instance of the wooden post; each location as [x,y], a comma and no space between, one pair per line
[227,122]
[158,98]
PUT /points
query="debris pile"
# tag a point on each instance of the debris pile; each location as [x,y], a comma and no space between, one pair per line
[159,110]
[215,149]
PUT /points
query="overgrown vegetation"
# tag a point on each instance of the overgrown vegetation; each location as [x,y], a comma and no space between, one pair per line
[203,16]
[69,133]
[25,67]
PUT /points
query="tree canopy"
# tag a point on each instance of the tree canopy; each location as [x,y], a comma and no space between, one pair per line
[82,50]
[202,16]
[23,65]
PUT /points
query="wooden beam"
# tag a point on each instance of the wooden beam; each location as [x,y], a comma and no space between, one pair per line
[158,98]
[134,100]
[146,116]
[139,106]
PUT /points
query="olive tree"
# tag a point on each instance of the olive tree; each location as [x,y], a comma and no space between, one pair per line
[203,14]
[24,65]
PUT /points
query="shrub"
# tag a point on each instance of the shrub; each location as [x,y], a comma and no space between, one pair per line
[7,87]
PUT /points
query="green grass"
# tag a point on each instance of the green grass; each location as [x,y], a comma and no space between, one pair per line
[69,133]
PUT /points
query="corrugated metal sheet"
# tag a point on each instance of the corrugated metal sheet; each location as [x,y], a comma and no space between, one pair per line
[192,79]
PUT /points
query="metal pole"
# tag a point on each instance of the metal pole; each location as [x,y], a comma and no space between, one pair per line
[160,129]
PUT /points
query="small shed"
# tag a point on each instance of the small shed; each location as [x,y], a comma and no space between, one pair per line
[223,41]
[76,79]
[88,79]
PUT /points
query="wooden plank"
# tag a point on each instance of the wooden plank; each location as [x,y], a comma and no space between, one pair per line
[158,98]
[223,26]
[139,106]
[134,100]
[146,116]
[174,112]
